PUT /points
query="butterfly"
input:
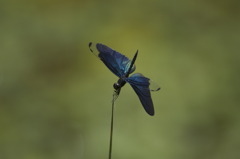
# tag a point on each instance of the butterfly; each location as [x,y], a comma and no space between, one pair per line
[122,67]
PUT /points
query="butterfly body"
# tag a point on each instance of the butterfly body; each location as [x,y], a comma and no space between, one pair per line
[122,67]
[120,83]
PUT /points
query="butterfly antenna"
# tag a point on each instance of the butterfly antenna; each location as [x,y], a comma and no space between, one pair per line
[90,45]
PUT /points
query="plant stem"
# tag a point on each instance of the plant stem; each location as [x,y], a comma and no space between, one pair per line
[111,129]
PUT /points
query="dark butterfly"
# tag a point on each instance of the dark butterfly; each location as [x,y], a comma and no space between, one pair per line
[121,66]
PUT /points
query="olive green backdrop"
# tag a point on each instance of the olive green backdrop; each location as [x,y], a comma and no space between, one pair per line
[55,95]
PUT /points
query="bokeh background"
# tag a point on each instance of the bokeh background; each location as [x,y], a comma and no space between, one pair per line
[55,96]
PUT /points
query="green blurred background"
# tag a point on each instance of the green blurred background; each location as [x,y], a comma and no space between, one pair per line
[55,96]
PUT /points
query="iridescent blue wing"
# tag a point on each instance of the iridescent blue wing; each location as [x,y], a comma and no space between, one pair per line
[142,86]
[116,62]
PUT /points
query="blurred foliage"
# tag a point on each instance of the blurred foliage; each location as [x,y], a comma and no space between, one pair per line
[55,96]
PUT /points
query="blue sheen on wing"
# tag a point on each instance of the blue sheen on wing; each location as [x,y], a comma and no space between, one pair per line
[141,84]
[116,62]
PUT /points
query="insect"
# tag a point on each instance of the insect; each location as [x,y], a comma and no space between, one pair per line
[122,67]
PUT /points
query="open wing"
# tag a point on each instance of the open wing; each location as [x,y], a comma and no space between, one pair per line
[116,62]
[142,86]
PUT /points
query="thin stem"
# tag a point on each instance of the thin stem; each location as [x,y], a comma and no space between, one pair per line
[111,130]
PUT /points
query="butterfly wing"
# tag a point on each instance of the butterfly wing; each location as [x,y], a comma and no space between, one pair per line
[116,62]
[142,86]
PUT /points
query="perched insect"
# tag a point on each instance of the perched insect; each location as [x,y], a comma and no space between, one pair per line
[121,66]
